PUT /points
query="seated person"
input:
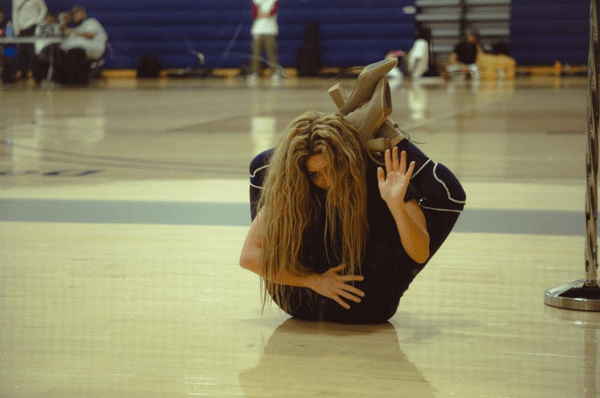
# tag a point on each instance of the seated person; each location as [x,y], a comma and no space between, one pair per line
[463,59]
[347,210]
[83,44]
[46,54]
[469,58]
[64,19]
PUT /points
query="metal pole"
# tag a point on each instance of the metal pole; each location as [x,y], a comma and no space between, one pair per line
[592,154]
[585,294]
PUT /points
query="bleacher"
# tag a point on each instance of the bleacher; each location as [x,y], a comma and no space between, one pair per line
[546,31]
[352,32]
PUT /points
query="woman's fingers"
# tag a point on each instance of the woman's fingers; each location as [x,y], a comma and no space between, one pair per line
[380,175]
[388,160]
[395,161]
[339,268]
[349,296]
[339,288]
[346,278]
[352,278]
[398,166]
[402,166]
[410,171]
[353,290]
[349,292]
[341,302]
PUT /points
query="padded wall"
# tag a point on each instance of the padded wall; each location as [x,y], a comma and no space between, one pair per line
[544,31]
[353,32]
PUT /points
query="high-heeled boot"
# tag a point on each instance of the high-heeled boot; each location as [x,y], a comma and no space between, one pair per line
[386,137]
[366,83]
[369,117]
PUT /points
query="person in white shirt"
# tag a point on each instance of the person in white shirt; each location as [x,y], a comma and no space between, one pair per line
[264,38]
[418,58]
[84,43]
[416,62]
[27,14]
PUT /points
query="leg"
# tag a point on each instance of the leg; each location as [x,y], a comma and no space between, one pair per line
[74,67]
[419,69]
[55,57]
[65,72]
[270,42]
[258,172]
[40,69]
[9,62]
[440,194]
[257,47]
[25,53]
[475,72]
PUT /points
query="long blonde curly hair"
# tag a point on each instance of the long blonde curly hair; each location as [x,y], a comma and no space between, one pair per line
[290,206]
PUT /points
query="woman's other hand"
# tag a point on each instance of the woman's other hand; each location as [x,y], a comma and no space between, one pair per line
[336,286]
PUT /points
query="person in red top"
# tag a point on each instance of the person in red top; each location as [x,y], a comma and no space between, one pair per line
[3,22]
[264,39]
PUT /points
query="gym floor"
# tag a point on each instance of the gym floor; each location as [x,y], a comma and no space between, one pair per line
[124,206]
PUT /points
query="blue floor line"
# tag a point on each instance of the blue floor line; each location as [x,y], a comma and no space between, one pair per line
[537,222]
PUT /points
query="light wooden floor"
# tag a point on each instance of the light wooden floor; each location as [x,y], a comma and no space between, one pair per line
[123,208]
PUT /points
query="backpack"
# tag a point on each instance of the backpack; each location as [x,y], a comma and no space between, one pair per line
[149,66]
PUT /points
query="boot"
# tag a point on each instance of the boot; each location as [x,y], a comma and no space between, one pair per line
[369,117]
[386,137]
[366,83]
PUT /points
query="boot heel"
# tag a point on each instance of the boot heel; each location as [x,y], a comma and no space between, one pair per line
[337,95]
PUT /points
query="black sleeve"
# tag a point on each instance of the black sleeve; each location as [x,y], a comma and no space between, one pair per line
[412,193]
[258,172]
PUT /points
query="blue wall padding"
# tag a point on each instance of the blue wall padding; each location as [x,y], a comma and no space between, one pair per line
[545,31]
[353,32]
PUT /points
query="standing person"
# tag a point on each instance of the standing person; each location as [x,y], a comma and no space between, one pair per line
[264,39]
[418,57]
[84,43]
[27,14]
[335,237]
[3,22]
[417,61]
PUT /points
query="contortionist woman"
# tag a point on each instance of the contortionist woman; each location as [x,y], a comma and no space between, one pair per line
[337,237]
[339,231]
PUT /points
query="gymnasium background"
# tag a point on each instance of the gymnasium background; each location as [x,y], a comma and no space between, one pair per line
[352,32]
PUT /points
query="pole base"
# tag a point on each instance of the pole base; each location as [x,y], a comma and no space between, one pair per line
[580,295]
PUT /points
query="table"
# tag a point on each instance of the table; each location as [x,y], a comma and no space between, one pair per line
[33,39]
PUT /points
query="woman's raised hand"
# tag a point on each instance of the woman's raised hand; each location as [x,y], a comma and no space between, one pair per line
[335,286]
[393,186]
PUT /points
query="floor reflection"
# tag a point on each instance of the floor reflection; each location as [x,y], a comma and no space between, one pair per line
[589,322]
[309,359]
[263,133]
[418,101]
